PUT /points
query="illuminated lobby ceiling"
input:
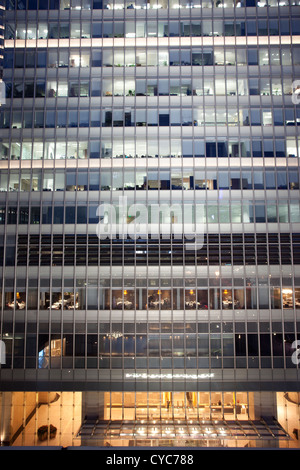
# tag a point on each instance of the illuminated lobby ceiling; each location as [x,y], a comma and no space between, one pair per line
[92,429]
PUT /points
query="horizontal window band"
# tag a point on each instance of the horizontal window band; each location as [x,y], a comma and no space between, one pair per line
[153,42]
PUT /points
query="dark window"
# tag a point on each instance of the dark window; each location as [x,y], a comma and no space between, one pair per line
[252,345]
[240,345]
[265,345]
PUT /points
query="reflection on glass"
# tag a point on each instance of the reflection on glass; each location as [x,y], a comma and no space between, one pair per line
[159,299]
[56,350]
[227,299]
[287,298]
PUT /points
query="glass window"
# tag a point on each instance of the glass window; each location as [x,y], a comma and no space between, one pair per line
[252,57]
[281,180]
[263,297]
[270,179]
[271,212]
[97,29]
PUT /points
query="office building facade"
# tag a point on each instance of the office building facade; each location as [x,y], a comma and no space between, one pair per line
[150,223]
